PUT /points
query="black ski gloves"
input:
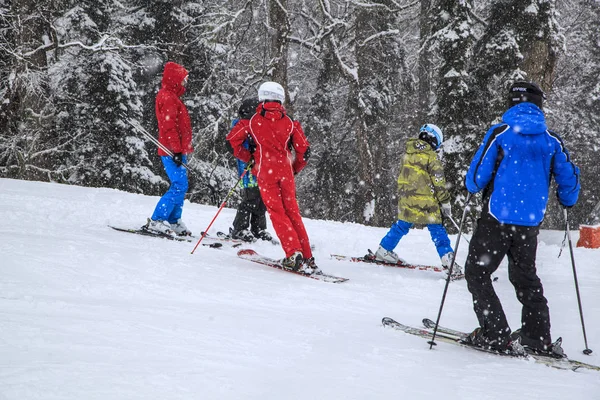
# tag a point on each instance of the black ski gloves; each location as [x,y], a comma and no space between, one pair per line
[307,154]
[177,159]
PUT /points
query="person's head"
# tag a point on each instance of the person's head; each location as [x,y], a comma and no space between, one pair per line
[271,91]
[175,77]
[523,91]
[248,108]
[431,134]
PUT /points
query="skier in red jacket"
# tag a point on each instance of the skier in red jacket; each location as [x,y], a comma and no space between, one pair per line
[174,133]
[275,135]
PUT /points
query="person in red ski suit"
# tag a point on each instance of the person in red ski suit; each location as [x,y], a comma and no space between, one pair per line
[275,134]
[175,134]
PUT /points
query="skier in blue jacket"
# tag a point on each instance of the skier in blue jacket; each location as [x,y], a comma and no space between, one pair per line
[514,166]
[250,221]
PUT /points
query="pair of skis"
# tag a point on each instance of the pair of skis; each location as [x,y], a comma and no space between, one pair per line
[455,337]
[370,259]
[212,241]
[226,236]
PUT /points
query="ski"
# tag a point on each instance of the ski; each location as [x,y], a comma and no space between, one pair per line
[251,255]
[427,323]
[145,232]
[455,338]
[566,362]
[227,236]
[370,259]
[228,240]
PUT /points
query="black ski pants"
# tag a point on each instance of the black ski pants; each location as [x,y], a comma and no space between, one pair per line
[490,243]
[251,212]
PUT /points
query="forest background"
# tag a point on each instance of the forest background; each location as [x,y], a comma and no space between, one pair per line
[78,80]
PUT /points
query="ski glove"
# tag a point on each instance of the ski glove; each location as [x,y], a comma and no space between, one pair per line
[561,203]
[446,209]
[307,154]
[251,144]
[177,159]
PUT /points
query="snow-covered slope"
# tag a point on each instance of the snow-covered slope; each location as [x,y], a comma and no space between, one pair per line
[90,313]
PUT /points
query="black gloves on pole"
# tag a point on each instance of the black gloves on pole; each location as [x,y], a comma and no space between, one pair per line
[177,159]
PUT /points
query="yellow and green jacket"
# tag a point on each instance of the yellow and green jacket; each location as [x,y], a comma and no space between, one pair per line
[421,185]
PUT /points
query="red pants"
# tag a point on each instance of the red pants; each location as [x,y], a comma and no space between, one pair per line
[280,199]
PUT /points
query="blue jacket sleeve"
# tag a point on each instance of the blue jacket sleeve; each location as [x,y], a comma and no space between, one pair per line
[482,167]
[566,175]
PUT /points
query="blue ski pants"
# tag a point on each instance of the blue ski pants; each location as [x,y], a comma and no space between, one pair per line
[170,205]
[400,228]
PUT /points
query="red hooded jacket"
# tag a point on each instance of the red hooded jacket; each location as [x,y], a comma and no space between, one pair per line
[273,133]
[174,125]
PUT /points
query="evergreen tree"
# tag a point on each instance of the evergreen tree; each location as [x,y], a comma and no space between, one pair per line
[105,151]
[574,104]
[520,41]
[452,40]
[371,105]
[330,167]
[27,145]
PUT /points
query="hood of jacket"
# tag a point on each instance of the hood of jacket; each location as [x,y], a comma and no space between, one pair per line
[525,118]
[173,77]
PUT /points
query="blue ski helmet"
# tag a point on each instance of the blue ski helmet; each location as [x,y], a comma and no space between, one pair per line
[432,135]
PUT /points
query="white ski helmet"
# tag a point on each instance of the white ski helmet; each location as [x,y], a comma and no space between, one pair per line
[271,91]
[432,135]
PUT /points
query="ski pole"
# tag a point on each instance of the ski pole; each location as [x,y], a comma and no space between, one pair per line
[155,141]
[457,227]
[248,167]
[587,350]
[462,221]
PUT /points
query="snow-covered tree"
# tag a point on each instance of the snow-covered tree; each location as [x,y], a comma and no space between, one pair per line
[27,143]
[452,39]
[574,102]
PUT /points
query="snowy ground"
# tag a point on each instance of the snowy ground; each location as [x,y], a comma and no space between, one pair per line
[90,313]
